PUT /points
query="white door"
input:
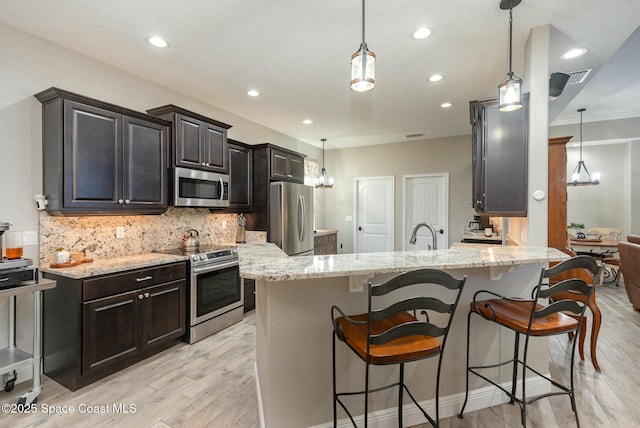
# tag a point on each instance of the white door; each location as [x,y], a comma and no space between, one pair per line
[426,200]
[374,214]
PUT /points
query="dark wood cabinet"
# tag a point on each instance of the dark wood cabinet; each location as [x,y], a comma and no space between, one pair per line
[326,243]
[97,326]
[557,193]
[240,173]
[499,158]
[101,159]
[199,142]
[271,163]
[249,286]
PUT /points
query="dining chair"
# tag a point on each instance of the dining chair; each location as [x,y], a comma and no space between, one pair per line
[397,330]
[605,232]
[538,316]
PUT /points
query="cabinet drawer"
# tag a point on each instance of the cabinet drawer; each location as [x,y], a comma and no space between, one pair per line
[128,281]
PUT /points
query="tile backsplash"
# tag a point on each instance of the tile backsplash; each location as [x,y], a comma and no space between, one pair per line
[96,236]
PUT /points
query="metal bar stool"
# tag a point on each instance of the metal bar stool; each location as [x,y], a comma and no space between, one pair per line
[530,317]
[403,331]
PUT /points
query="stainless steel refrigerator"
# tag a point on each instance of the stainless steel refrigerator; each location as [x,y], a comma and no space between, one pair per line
[291,217]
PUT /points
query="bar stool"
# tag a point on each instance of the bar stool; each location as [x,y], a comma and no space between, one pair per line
[530,317]
[393,330]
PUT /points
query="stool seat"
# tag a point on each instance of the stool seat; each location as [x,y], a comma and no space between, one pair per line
[405,348]
[515,315]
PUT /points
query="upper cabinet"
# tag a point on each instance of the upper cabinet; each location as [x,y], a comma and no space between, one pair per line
[101,159]
[286,166]
[240,173]
[271,163]
[499,158]
[198,141]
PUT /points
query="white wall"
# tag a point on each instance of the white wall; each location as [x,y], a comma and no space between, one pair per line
[452,155]
[30,65]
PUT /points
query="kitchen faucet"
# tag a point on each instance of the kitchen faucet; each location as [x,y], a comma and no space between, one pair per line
[413,238]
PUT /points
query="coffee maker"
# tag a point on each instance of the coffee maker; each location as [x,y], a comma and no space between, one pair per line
[479,223]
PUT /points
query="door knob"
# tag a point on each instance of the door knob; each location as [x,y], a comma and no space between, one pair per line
[360,228]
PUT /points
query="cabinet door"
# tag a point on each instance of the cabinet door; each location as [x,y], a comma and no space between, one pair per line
[92,157]
[239,178]
[296,168]
[144,165]
[164,313]
[214,148]
[188,150]
[279,165]
[249,294]
[109,331]
[477,157]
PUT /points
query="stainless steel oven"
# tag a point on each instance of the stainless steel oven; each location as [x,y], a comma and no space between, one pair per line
[216,295]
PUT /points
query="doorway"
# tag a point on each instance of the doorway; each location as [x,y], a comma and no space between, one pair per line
[374,214]
[426,200]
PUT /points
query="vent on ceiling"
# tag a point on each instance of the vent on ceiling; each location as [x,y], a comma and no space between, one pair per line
[578,77]
[414,135]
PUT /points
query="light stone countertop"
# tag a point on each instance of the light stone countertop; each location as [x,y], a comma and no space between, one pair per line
[323,232]
[114,265]
[267,262]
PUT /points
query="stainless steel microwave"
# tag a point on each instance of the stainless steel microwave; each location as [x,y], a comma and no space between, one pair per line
[195,188]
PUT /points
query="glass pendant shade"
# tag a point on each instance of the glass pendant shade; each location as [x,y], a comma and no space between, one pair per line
[324,182]
[363,69]
[580,175]
[510,92]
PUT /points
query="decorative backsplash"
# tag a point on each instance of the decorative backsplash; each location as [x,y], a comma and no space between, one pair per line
[96,236]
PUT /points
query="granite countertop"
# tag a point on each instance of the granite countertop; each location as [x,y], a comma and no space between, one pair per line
[113,265]
[267,262]
[322,232]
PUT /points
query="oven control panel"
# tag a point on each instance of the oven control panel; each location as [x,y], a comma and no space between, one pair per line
[213,257]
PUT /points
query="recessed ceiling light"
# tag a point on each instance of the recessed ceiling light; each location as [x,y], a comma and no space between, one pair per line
[446,105]
[158,41]
[574,53]
[436,77]
[307,121]
[421,33]
[253,93]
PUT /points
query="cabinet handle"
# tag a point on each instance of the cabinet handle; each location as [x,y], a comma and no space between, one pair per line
[120,201]
[127,201]
[4,279]
[144,278]
[146,294]
[140,296]
[204,164]
[289,175]
[208,164]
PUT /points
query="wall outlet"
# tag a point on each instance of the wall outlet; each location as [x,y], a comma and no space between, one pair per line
[348,218]
[224,224]
[30,237]
[119,232]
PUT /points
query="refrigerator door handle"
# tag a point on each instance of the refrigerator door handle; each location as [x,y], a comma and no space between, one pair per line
[301,217]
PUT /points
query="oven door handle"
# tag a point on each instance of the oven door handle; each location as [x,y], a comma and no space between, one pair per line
[221,189]
[205,269]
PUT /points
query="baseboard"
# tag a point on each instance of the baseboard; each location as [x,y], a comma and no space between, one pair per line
[449,406]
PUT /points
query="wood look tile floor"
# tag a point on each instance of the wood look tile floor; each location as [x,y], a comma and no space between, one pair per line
[211,384]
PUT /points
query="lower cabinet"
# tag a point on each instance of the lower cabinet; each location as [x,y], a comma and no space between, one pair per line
[325,244]
[249,286]
[96,326]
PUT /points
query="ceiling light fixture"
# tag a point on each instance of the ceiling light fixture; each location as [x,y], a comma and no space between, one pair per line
[578,178]
[574,53]
[510,90]
[421,33]
[158,41]
[253,93]
[436,77]
[363,66]
[446,105]
[307,121]
[323,181]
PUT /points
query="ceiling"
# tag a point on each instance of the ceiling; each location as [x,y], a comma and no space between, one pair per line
[297,54]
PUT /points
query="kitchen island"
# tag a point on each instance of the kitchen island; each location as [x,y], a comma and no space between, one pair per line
[293,329]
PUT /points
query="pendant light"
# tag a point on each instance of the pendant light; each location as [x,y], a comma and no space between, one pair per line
[580,175]
[324,182]
[510,90]
[363,65]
